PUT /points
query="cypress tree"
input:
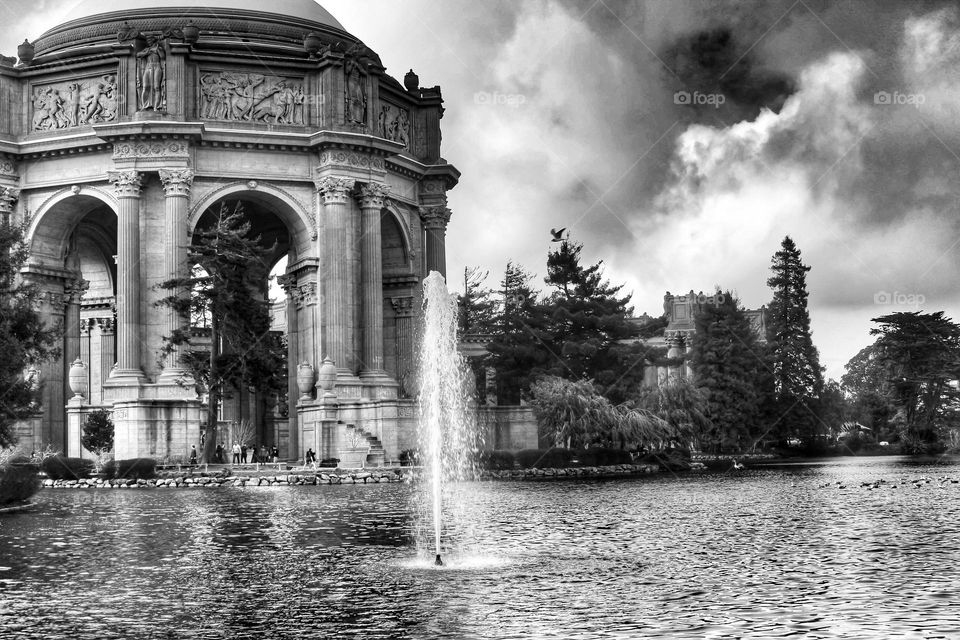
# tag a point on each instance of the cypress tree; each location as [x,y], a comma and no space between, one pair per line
[728,362]
[797,375]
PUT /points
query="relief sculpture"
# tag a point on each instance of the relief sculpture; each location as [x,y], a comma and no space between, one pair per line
[71,104]
[251,97]
[394,124]
[151,80]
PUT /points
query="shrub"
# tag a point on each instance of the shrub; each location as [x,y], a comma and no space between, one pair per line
[133,469]
[18,482]
[602,456]
[61,468]
[97,432]
[497,460]
[409,457]
[544,458]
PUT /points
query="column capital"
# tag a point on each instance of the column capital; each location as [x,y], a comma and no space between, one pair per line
[287,282]
[8,199]
[73,290]
[435,217]
[402,306]
[333,189]
[372,195]
[176,182]
[126,183]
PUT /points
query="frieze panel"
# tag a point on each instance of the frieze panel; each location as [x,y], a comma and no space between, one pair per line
[251,97]
[159,149]
[73,103]
[351,159]
[394,124]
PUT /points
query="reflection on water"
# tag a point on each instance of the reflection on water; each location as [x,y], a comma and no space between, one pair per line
[769,552]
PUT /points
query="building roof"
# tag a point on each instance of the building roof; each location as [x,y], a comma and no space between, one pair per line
[301,9]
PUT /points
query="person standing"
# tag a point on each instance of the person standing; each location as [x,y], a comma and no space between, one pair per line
[236,453]
[219,453]
[243,453]
[275,454]
[193,454]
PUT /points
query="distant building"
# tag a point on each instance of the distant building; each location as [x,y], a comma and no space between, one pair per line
[677,337]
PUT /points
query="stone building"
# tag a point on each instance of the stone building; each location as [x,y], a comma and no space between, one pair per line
[680,312]
[122,128]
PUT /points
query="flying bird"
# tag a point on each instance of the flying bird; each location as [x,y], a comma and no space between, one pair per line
[557,234]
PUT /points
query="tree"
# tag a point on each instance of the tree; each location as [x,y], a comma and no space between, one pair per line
[576,415]
[797,376]
[476,311]
[589,322]
[681,405]
[920,353]
[728,363]
[97,432]
[25,340]
[519,348]
[870,398]
[227,288]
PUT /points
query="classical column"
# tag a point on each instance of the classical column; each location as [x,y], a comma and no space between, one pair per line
[72,292]
[127,185]
[8,202]
[339,276]
[176,187]
[403,309]
[371,202]
[435,221]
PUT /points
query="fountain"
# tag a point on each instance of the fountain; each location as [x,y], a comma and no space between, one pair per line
[448,438]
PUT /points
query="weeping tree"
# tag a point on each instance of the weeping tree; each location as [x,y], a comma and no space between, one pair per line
[227,289]
[679,404]
[577,415]
[25,340]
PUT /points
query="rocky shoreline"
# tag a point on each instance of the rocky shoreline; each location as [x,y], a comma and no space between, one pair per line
[169,479]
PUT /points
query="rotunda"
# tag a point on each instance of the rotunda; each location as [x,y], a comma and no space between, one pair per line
[124,128]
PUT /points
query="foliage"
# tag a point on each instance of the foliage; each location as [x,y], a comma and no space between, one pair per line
[574,413]
[834,407]
[920,355]
[601,456]
[25,339]
[97,432]
[408,457]
[518,349]
[63,468]
[497,460]
[553,458]
[728,364]
[797,375]
[669,459]
[476,308]
[18,481]
[132,469]
[227,287]
[680,406]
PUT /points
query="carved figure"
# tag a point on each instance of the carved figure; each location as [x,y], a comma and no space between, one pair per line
[250,97]
[356,92]
[150,75]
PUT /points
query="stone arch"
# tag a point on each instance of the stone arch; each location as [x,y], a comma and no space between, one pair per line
[291,212]
[53,222]
[398,219]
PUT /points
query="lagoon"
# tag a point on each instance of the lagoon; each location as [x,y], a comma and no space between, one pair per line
[789,549]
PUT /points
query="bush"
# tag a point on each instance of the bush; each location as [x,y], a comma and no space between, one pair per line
[132,469]
[409,457]
[18,482]
[669,459]
[602,456]
[61,468]
[497,460]
[544,458]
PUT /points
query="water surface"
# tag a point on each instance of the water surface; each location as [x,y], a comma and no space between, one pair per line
[773,551]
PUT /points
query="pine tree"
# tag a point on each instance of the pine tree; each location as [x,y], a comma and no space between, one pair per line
[519,348]
[476,311]
[588,320]
[727,363]
[25,341]
[797,376]
[226,288]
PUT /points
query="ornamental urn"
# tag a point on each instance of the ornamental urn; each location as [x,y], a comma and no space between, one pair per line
[78,379]
[305,380]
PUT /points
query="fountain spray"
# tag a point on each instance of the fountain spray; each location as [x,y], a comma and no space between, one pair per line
[446,431]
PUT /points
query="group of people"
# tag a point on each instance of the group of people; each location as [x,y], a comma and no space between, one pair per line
[242,454]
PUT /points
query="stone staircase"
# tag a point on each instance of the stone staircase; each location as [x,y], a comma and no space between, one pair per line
[377,454]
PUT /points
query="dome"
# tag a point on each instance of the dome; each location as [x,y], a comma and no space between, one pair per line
[306,10]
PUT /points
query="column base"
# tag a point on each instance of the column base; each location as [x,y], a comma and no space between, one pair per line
[176,377]
[348,385]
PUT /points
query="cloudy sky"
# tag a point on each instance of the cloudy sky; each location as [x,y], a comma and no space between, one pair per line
[681,141]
